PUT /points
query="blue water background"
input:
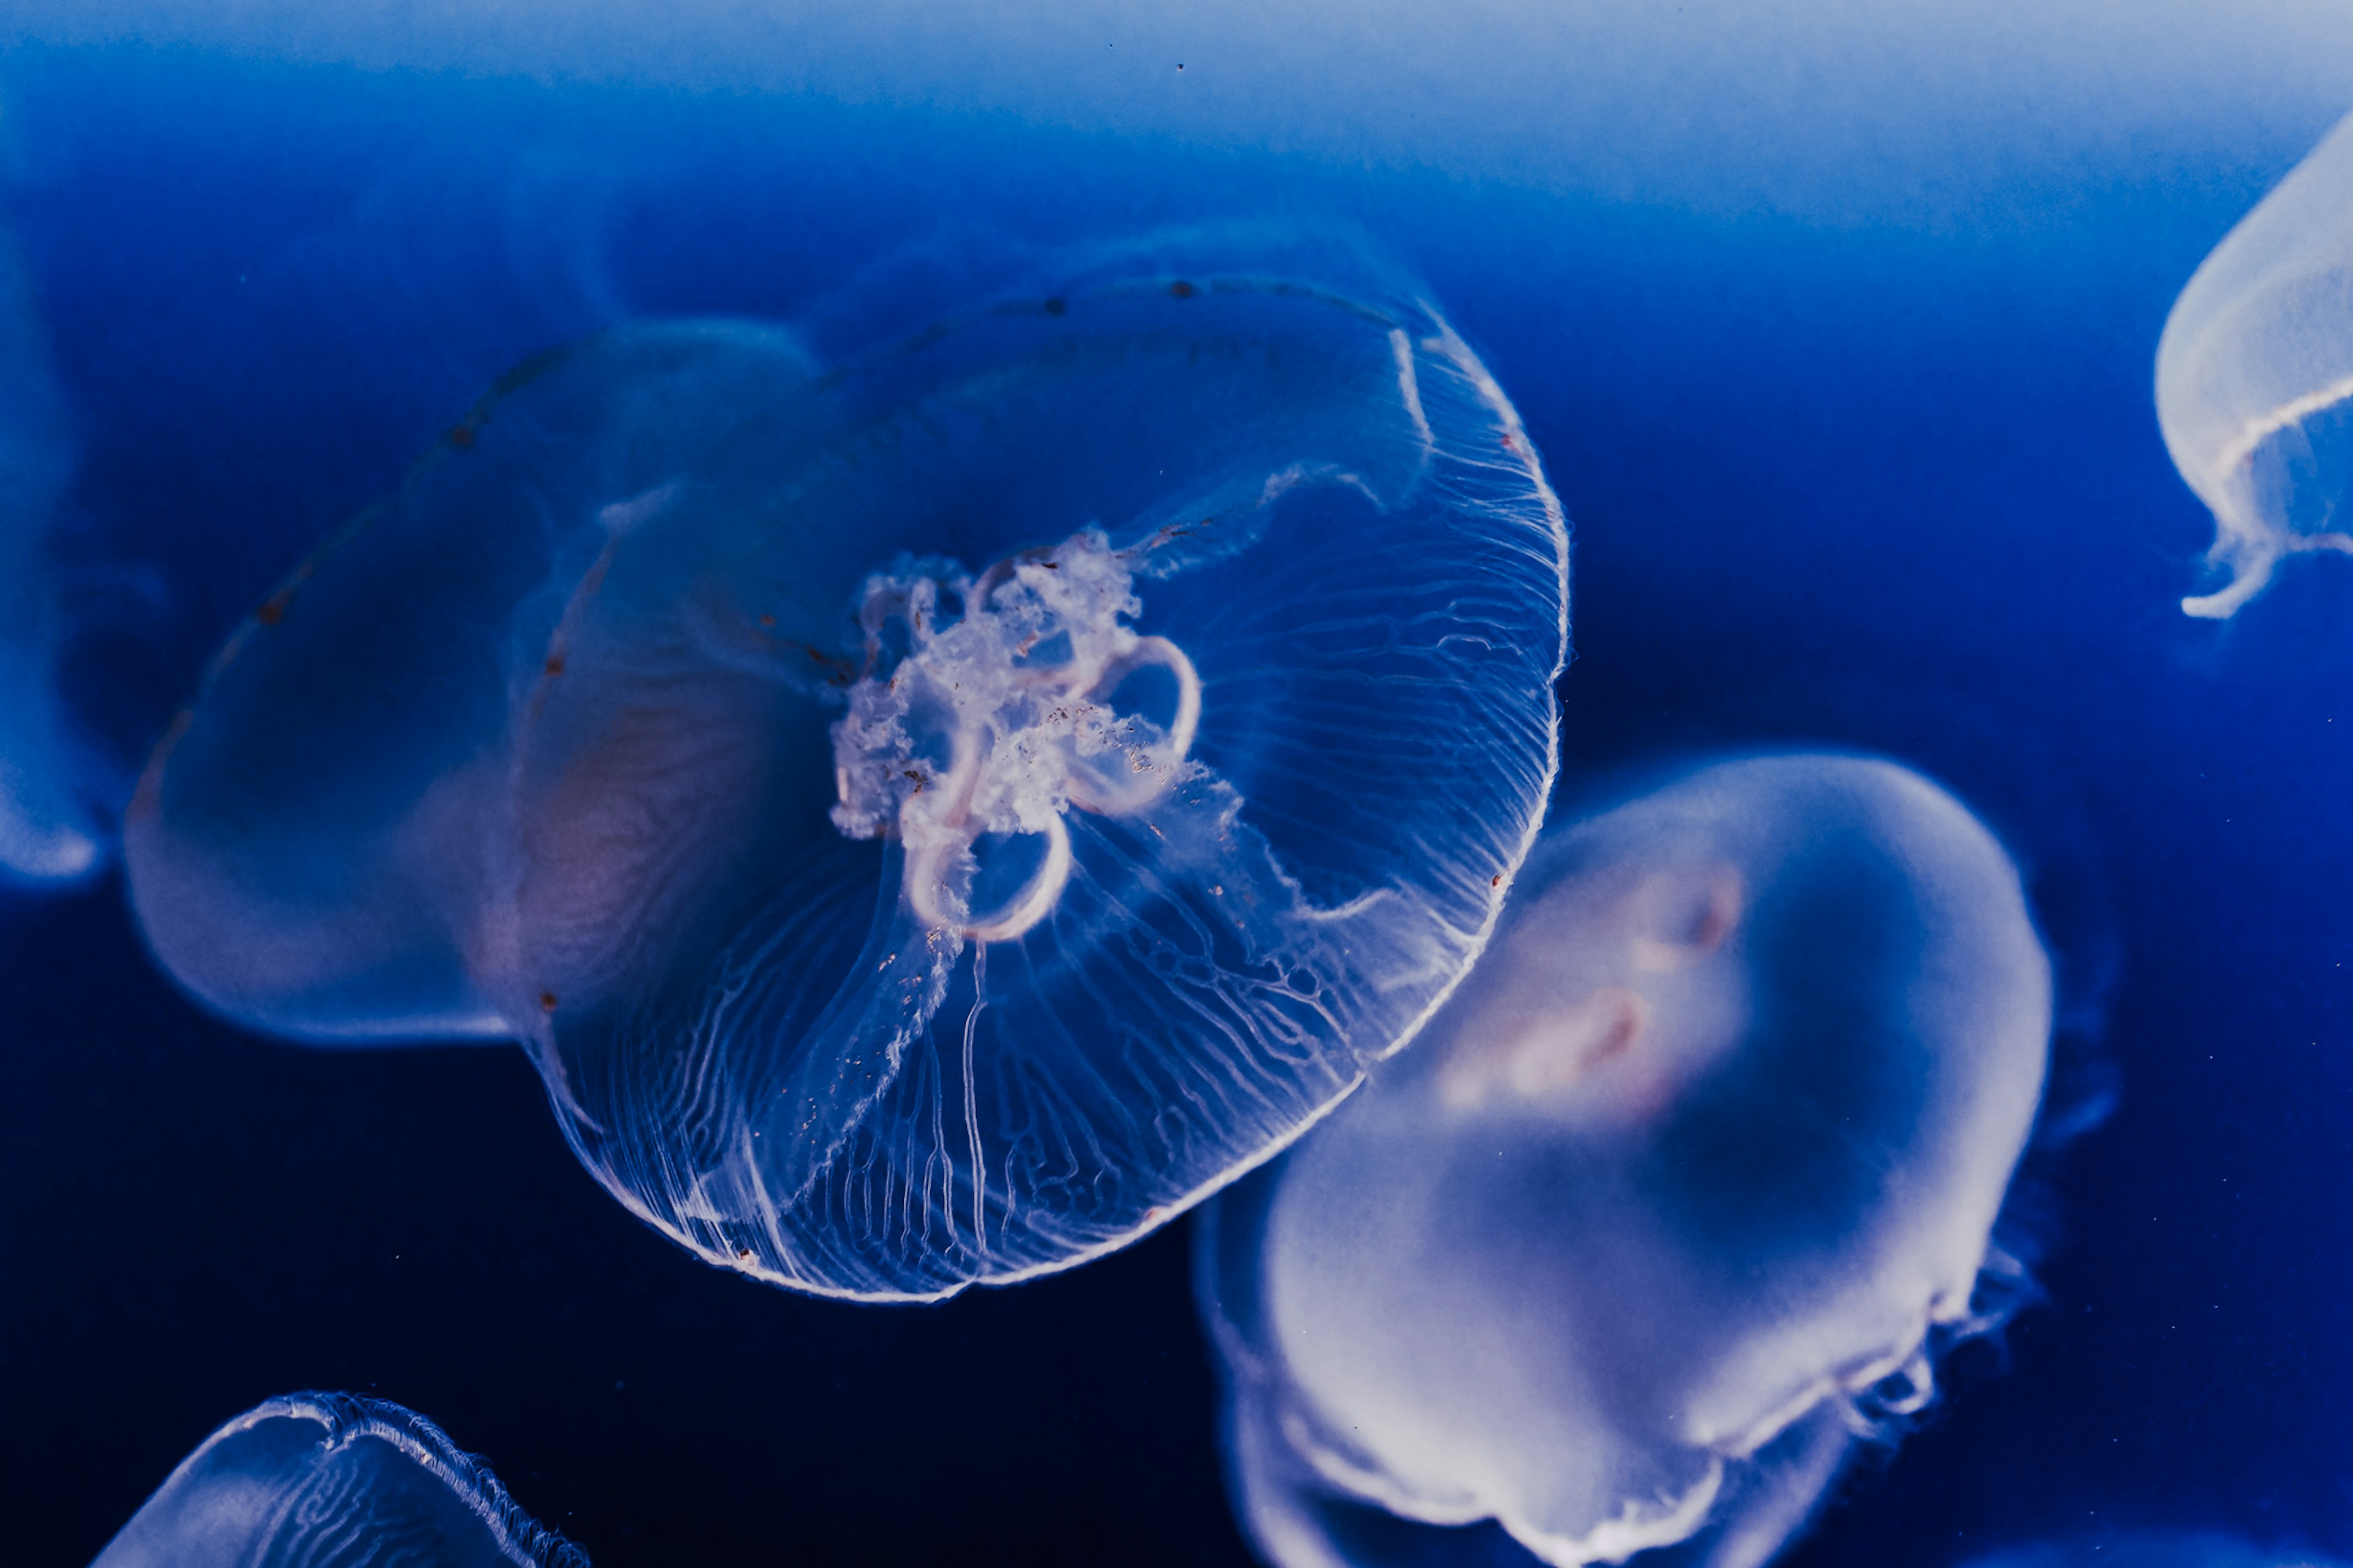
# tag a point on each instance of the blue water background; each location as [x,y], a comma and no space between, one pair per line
[1895,485]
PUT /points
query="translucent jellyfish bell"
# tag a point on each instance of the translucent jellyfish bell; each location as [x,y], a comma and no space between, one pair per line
[2254,376]
[325,846]
[50,831]
[332,1480]
[1681,1189]
[931,818]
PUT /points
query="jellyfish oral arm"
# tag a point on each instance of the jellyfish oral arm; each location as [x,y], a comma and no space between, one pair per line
[1030,729]
[930,867]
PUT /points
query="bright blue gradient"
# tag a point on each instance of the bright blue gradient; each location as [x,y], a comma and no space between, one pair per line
[1837,341]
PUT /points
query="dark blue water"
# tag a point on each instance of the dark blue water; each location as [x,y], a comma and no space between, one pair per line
[1891,487]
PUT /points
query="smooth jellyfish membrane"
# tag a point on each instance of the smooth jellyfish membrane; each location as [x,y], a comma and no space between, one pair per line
[2254,378]
[931,817]
[333,1480]
[51,833]
[1682,1191]
[2142,1549]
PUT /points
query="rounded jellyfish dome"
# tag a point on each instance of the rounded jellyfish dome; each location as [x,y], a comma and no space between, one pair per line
[933,818]
[332,1480]
[1682,1188]
[2254,376]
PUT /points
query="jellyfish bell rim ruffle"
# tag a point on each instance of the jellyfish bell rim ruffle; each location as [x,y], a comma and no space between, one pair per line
[2246,546]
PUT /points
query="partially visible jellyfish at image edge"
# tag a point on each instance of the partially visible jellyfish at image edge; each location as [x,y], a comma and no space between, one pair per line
[931,817]
[1683,1192]
[2254,378]
[333,1480]
[2150,1550]
[52,831]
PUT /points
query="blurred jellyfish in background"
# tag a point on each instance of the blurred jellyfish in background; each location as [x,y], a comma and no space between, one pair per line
[2153,1551]
[2254,376]
[1686,1188]
[333,1480]
[107,615]
[51,827]
[931,817]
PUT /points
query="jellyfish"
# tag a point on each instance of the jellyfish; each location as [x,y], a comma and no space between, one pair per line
[2150,1550]
[51,834]
[932,817]
[1686,1187]
[2254,378]
[333,1480]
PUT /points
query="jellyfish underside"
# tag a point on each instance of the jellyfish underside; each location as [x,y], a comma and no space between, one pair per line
[2282,494]
[1680,1192]
[332,1480]
[930,819]
[2254,378]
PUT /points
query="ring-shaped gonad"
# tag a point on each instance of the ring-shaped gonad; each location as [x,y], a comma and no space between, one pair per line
[1082,681]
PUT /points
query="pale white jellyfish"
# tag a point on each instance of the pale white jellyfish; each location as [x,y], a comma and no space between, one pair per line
[2254,376]
[1683,1190]
[332,1480]
[2153,1551]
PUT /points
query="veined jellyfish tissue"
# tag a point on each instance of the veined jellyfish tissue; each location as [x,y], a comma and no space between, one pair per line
[2254,376]
[931,817]
[50,829]
[333,1480]
[1683,1190]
